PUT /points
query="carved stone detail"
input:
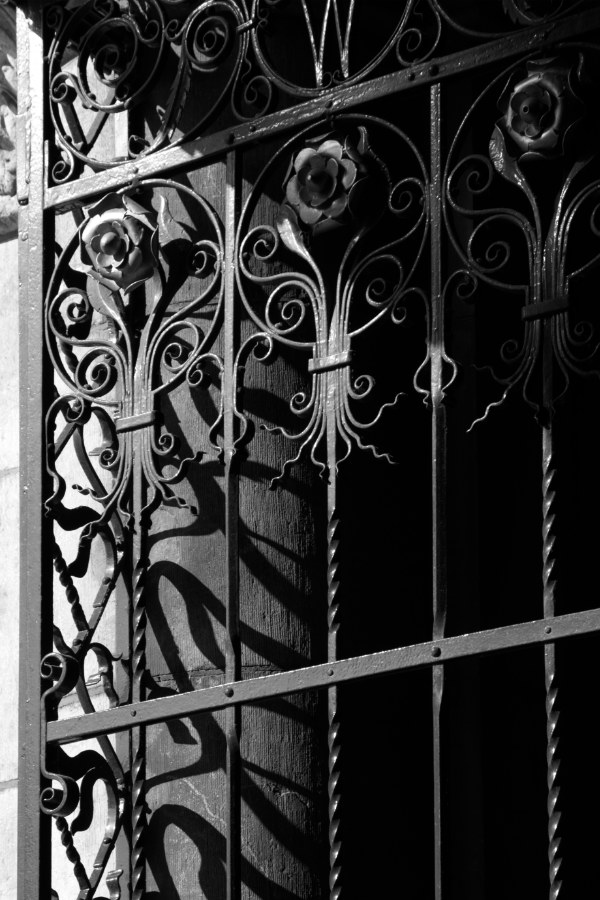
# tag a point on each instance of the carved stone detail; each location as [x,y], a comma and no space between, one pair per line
[8,110]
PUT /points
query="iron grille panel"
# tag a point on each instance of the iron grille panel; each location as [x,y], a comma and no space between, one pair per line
[319,346]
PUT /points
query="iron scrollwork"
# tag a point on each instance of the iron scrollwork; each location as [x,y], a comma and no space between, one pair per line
[331,36]
[223,53]
[221,63]
[342,255]
[122,50]
[340,198]
[77,777]
[544,149]
[143,354]
[121,338]
[544,145]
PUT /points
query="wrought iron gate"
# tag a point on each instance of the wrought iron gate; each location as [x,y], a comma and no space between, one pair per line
[309,388]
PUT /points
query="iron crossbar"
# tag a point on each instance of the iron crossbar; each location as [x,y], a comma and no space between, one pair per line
[428,653]
[191,153]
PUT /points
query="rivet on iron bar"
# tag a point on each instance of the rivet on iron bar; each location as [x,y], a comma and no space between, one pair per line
[437,651]
[133,423]
[134,177]
[229,692]
[546,308]
[335,361]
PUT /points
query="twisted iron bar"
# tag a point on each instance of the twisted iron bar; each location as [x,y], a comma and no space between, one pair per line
[138,768]
[552,705]
[71,593]
[333,735]
[66,839]
[548,524]
[553,761]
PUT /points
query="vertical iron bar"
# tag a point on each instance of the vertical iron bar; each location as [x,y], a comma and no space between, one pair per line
[333,610]
[137,402]
[438,473]
[138,655]
[33,877]
[232,650]
[549,587]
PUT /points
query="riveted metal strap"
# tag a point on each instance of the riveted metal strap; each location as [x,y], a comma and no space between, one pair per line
[335,361]
[133,423]
[546,308]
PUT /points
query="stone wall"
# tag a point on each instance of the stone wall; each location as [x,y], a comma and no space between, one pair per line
[9,461]
[8,108]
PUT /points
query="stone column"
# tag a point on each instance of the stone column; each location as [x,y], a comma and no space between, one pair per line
[9,457]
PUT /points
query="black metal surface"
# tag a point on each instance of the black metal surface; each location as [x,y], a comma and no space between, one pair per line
[422,217]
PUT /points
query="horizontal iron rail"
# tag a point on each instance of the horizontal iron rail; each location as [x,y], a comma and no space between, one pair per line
[203,149]
[356,668]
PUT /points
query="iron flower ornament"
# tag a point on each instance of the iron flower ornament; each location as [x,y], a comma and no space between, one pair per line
[321,182]
[540,111]
[328,181]
[119,243]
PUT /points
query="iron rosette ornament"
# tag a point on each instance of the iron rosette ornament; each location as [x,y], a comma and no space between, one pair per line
[340,255]
[532,195]
[119,244]
[541,113]
[319,187]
